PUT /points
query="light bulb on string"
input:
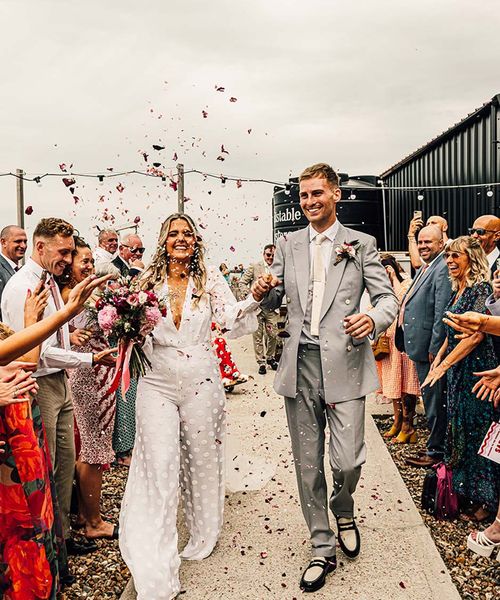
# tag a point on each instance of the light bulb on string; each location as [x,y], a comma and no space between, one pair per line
[101,179]
[223,181]
[288,187]
[38,181]
[352,195]
[420,196]
[489,193]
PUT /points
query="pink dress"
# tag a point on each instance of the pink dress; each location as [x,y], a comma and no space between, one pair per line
[397,373]
[94,405]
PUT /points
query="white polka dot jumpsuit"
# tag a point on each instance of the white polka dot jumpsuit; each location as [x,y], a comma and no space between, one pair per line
[180,441]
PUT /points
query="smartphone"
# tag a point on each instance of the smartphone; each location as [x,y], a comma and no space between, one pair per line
[417,214]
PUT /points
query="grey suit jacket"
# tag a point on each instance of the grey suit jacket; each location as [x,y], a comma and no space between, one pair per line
[424,330]
[348,365]
[6,272]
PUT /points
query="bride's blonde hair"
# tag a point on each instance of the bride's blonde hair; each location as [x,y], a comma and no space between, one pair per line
[156,273]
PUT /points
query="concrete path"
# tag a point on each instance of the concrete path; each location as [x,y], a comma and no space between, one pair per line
[264,544]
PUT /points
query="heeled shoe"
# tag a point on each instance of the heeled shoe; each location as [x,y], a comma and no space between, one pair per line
[406,438]
[392,432]
[482,545]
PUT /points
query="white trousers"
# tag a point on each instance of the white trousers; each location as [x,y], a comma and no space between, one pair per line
[180,430]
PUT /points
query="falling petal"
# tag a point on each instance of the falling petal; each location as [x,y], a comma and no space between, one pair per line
[233,99]
[120,188]
[28,210]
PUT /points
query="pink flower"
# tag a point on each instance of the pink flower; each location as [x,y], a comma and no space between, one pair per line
[152,316]
[107,318]
[133,299]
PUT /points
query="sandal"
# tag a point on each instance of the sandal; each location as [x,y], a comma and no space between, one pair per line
[482,545]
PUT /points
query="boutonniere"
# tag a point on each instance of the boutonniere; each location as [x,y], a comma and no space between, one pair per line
[347,251]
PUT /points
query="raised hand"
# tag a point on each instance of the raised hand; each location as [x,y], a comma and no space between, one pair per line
[82,292]
[35,304]
[15,388]
[264,284]
[466,323]
[488,387]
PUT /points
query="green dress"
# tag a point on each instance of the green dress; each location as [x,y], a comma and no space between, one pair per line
[476,479]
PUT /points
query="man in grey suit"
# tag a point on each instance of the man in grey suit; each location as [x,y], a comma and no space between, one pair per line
[421,323]
[327,366]
[264,339]
[13,244]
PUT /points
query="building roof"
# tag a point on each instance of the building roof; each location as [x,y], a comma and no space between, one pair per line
[453,130]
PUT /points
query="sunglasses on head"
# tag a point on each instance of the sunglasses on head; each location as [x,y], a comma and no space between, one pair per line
[479,230]
[453,255]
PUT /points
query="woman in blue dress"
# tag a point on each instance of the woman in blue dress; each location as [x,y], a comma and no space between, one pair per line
[475,479]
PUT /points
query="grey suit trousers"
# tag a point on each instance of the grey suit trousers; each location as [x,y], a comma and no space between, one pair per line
[308,416]
[56,408]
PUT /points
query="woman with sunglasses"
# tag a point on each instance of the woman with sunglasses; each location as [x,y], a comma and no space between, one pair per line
[476,480]
[179,414]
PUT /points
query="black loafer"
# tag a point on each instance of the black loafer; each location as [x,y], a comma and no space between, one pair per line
[67,578]
[327,565]
[273,364]
[342,527]
[80,548]
[262,370]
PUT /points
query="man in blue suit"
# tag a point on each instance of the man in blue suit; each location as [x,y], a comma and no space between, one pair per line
[13,244]
[421,324]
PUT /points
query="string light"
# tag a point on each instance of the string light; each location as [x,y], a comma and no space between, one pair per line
[420,196]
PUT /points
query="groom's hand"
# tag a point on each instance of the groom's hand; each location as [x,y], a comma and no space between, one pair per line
[359,326]
[263,285]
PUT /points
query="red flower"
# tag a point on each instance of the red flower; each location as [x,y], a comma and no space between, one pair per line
[28,570]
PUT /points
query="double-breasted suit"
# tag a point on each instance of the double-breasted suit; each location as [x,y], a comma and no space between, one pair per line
[327,381]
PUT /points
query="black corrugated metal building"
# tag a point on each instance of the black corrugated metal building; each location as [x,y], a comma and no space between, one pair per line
[467,153]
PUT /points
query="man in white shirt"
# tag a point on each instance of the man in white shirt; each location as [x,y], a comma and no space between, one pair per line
[487,230]
[53,246]
[13,244]
[107,246]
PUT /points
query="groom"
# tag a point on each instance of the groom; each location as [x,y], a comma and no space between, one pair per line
[327,366]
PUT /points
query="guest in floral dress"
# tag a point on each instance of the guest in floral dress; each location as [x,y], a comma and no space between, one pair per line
[397,373]
[475,478]
[94,407]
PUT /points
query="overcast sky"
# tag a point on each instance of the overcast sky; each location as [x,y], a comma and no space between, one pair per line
[358,84]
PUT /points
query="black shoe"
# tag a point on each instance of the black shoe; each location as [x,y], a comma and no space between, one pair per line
[351,526]
[80,548]
[262,370]
[327,564]
[273,364]
[67,578]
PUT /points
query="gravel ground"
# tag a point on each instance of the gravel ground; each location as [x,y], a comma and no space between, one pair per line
[102,574]
[476,578]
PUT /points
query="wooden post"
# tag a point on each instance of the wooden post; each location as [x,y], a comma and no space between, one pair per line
[180,188]
[20,198]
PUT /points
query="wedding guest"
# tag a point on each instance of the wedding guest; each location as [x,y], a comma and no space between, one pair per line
[264,339]
[327,366]
[223,268]
[180,414]
[420,333]
[486,229]
[94,407]
[129,258]
[397,373]
[415,225]
[107,241]
[53,245]
[129,263]
[13,244]
[475,479]
[31,540]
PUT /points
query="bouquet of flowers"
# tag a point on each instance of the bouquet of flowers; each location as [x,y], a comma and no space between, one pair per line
[126,315]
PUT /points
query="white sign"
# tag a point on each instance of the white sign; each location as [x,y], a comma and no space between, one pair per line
[490,448]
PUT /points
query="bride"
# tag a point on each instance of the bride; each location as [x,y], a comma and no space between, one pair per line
[179,415]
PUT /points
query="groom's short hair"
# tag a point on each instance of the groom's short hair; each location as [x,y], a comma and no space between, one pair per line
[321,170]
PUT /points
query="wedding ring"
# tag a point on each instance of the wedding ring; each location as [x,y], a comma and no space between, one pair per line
[16,391]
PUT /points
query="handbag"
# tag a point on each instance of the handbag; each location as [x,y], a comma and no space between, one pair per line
[438,496]
[381,348]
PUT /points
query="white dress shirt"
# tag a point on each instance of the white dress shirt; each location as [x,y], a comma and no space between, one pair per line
[53,358]
[492,256]
[102,256]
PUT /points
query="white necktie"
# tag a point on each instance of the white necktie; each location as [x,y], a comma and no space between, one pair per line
[319,281]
